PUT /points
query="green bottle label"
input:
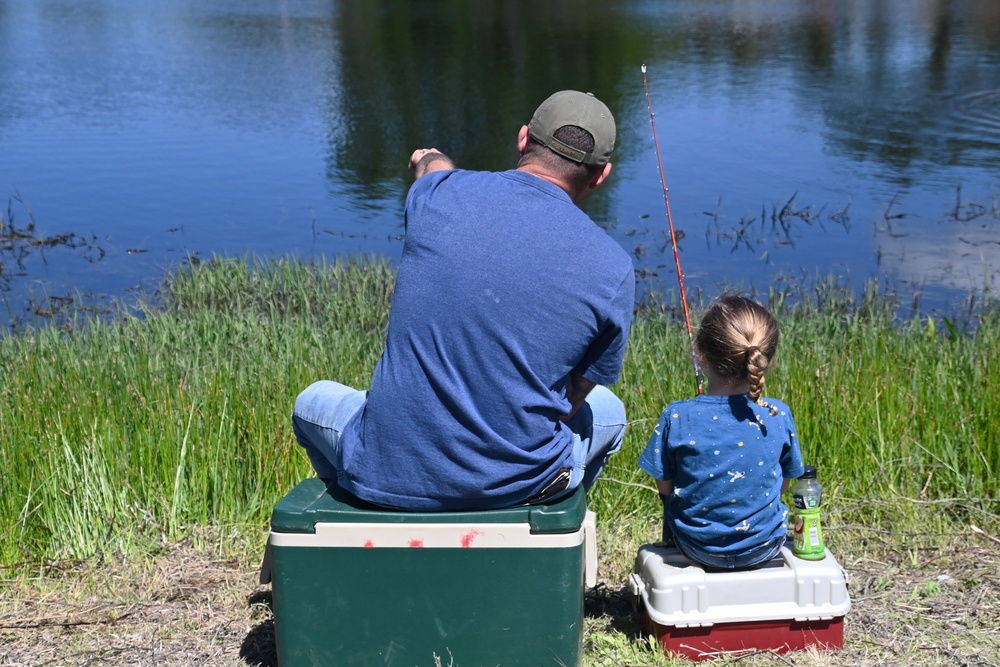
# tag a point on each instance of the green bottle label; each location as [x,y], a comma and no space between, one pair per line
[807,535]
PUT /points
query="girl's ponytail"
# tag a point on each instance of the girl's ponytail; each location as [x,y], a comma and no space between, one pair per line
[757,363]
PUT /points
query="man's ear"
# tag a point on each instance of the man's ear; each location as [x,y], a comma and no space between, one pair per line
[523,138]
[600,176]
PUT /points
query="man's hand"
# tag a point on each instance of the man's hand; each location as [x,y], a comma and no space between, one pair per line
[425,160]
[577,388]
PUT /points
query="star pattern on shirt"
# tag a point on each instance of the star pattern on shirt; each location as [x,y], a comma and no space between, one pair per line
[716,447]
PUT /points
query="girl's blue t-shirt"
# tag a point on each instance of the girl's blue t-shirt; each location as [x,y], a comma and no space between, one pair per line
[727,457]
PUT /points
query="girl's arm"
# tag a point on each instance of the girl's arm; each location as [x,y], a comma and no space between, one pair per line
[786,484]
[666,486]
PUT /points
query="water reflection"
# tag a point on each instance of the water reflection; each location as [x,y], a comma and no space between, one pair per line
[460,76]
[258,126]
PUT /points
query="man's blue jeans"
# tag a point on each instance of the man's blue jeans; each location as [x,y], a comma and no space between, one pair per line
[325,407]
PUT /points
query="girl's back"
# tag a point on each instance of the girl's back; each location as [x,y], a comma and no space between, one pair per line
[722,460]
[726,457]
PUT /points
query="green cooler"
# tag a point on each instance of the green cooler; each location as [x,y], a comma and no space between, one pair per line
[355,584]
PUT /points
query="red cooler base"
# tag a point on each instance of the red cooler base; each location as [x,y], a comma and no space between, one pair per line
[706,642]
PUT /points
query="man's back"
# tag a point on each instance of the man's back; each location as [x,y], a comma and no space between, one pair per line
[504,288]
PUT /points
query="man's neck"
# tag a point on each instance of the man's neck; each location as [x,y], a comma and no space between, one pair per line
[540,172]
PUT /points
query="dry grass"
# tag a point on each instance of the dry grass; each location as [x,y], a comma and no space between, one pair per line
[184,606]
[929,599]
[934,602]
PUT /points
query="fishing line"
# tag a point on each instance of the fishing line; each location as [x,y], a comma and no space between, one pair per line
[673,235]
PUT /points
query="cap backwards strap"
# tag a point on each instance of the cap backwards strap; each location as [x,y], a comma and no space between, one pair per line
[583,110]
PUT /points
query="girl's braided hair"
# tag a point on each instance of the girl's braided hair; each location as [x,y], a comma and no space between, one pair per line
[738,338]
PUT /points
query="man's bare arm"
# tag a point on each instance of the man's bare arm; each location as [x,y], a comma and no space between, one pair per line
[426,160]
[577,388]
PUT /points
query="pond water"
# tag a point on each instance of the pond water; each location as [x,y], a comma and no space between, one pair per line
[799,138]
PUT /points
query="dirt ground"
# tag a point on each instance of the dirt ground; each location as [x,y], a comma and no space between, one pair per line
[186,606]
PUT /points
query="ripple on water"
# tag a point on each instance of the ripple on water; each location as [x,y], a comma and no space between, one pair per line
[979,114]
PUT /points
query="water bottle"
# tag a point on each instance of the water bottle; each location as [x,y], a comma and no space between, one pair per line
[807,534]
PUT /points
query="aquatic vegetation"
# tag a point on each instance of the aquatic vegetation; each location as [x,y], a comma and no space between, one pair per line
[178,416]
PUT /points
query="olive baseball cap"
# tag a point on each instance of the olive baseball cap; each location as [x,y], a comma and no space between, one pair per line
[571,107]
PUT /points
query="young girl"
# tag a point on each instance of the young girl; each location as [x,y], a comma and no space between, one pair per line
[721,460]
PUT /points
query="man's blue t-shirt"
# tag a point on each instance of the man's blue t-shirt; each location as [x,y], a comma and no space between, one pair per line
[504,288]
[727,458]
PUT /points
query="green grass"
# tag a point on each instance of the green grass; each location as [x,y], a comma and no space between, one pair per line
[118,435]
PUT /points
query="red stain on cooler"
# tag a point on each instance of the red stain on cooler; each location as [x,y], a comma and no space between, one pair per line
[416,544]
[369,544]
[469,537]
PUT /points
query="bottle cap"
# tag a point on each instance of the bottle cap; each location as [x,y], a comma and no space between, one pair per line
[810,473]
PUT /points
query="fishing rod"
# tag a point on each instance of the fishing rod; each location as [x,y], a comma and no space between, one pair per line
[673,235]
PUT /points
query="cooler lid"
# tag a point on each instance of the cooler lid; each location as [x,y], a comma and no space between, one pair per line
[315,501]
[677,592]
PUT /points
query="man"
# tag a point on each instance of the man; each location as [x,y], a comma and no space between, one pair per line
[511,311]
